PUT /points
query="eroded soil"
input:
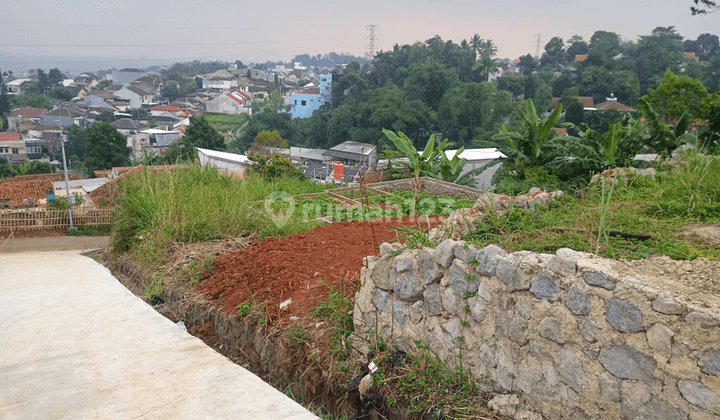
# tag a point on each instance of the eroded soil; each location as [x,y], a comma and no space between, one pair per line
[301,268]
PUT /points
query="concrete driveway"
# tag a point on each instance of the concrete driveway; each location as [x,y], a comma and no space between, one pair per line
[76,344]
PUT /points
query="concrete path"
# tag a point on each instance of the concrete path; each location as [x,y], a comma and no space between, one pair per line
[76,344]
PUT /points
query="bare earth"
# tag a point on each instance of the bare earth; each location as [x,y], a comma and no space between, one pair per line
[52,243]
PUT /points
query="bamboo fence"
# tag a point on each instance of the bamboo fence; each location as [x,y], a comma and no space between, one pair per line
[53,219]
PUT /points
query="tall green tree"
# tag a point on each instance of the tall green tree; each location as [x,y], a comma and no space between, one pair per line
[103,84]
[677,95]
[473,111]
[199,133]
[55,78]
[105,147]
[388,107]
[106,116]
[574,110]
[554,53]
[6,170]
[4,102]
[575,46]
[170,91]
[428,81]
[476,43]
[527,64]
[602,48]
[543,98]
[657,53]
[43,82]
[61,93]
[704,47]
[34,100]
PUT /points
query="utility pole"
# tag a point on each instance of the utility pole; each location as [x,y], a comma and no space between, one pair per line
[372,31]
[67,183]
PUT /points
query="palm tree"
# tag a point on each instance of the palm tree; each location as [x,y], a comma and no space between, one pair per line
[489,48]
[476,44]
[487,65]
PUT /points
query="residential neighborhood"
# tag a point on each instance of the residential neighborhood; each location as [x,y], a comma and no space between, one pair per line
[34,134]
[446,210]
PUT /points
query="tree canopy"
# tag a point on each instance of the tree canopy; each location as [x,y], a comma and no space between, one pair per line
[105,147]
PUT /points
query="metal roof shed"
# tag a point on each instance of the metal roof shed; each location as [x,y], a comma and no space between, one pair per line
[353,151]
[223,161]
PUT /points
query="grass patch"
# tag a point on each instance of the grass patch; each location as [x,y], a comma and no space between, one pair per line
[194,204]
[336,311]
[403,203]
[90,231]
[429,385]
[153,288]
[224,122]
[641,206]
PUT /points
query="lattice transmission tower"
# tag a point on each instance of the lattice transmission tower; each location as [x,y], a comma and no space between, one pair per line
[372,32]
[537,45]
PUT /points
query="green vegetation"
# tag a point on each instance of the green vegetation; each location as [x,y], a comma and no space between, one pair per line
[90,231]
[335,310]
[195,204]
[428,384]
[402,203]
[61,203]
[432,162]
[28,168]
[198,270]
[154,287]
[657,207]
[224,123]
[271,167]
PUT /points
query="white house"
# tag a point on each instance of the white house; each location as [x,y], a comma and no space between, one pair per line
[137,97]
[221,79]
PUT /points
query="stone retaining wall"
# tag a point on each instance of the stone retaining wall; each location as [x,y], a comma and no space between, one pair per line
[568,334]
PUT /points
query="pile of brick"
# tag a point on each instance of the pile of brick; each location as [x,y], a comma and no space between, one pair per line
[20,191]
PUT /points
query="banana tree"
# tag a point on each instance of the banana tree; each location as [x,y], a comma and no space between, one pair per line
[527,149]
[663,139]
[432,162]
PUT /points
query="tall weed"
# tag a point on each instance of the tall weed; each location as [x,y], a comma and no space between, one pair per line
[194,204]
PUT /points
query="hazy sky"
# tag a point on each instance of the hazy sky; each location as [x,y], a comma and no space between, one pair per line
[61,33]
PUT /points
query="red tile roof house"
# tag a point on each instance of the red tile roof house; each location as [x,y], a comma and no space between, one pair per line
[19,192]
[233,103]
[24,114]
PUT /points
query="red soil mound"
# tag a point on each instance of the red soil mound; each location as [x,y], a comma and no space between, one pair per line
[274,270]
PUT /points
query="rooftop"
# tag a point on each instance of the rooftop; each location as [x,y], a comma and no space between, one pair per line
[128,124]
[225,156]
[489,153]
[27,112]
[613,105]
[351,150]
[165,108]
[9,136]
[20,191]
